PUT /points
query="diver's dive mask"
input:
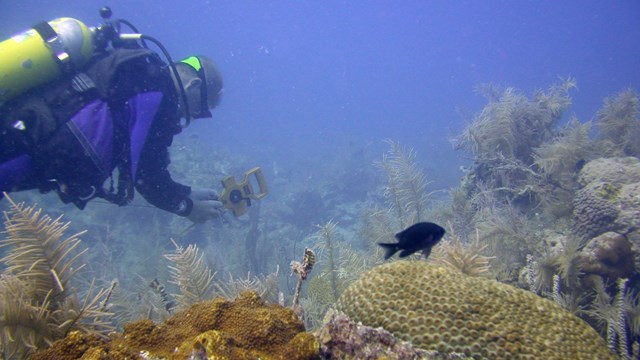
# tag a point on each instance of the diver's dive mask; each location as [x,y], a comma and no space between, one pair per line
[196,64]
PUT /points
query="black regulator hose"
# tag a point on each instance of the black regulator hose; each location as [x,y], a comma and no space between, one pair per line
[172,66]
[113,34]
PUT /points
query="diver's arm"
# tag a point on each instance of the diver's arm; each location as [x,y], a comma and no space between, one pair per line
[153,180]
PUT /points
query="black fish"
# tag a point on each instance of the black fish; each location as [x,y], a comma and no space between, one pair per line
[420,236]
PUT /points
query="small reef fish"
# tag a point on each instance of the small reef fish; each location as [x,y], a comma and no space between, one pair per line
[420,236]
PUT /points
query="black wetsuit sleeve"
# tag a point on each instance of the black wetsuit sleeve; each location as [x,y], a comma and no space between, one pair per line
[153,180]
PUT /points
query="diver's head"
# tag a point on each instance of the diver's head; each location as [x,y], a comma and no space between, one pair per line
[202,84]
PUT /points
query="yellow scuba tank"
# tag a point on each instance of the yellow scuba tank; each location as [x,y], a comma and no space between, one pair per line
[42,54]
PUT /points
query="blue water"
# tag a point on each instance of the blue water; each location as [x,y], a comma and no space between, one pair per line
[312,79]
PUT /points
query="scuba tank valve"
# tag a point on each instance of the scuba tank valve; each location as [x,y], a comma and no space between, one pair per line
[62,47]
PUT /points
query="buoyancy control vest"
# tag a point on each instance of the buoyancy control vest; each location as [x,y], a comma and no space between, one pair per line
[62,126]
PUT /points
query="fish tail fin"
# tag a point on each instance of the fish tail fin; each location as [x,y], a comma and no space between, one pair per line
[389,249]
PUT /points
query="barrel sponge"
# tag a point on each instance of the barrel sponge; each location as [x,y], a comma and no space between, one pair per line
[441,309]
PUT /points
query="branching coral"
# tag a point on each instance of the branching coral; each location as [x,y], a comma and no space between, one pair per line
[618,123]
[191,274]
[616,314]
[466,258]
[405,191]
[558,157]
[302,269]
[512,124]
[326,238]
[559,161]
[502,139]
[510,234]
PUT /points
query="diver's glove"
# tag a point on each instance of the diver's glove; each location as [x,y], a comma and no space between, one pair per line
[205,205]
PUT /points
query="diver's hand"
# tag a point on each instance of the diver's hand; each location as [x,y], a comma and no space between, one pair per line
[205,205]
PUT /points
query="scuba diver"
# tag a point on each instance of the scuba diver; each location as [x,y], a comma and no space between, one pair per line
[99,103]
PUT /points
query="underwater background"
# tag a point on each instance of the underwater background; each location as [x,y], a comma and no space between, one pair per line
[482,116]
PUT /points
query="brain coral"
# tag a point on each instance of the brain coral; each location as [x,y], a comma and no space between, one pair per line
[609,197]
[594,210]
[442,309]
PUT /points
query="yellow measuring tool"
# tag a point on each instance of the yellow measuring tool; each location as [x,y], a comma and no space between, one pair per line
[237,196]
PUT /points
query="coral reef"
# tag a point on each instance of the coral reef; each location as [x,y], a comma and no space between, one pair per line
[39,304]
[621,170]
[618,125]
[608,255]
[341,338]
[191,274]
[405,191]
[594,212]
[502,139]
[243,329]
[438,308]
[465,258]
[609,197]
[325,288]
[618,316]
[558,160]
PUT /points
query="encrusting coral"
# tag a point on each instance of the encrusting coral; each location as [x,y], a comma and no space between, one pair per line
[438,308]
[219,329]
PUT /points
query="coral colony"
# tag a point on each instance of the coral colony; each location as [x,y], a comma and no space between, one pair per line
[537,260]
